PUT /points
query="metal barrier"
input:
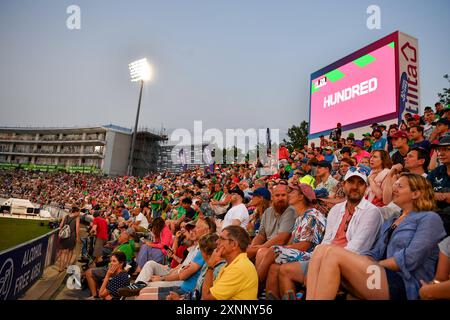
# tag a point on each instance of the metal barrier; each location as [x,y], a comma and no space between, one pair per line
[22,265]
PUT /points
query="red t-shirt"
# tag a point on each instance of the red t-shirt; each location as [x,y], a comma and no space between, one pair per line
[102,228]
[180,254]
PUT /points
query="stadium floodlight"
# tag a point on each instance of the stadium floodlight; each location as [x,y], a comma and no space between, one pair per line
[140,70]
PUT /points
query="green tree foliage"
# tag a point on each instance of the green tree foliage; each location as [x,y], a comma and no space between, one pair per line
[297,136]
[444,97]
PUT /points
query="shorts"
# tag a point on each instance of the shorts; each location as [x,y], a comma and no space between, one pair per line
[99,274]
[396,285]
[98,247]
[163,292]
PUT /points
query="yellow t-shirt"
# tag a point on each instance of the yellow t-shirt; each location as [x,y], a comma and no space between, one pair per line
[236,281]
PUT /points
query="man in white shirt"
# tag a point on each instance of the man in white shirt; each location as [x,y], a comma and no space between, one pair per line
[238,214]
[353,224]
[139,222]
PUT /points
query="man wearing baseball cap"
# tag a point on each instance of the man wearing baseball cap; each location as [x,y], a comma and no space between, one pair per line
[354,223]
[261,192]
[324,178]
[440,177]
[379,142]
[442,127]
[400,142]
[360,153]
[238,214]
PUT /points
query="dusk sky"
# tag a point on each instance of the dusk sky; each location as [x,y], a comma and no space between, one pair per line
[231,64]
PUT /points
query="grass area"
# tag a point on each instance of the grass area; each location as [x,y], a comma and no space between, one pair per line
[17,231]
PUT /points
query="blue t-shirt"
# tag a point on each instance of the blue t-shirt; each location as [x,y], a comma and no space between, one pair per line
[125,214]
[189,284]
[329,158]
[379,145]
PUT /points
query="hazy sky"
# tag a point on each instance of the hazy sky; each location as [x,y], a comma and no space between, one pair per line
[232,64]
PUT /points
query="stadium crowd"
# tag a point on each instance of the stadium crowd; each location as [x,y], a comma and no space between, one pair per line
[354,217]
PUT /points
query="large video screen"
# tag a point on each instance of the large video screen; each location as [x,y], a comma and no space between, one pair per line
[355,92]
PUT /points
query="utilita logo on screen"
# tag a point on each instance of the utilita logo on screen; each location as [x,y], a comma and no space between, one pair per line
[352,92]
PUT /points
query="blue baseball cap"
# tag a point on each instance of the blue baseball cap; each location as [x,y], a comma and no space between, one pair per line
[262,192]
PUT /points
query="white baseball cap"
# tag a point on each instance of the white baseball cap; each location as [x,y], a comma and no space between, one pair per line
[354,171]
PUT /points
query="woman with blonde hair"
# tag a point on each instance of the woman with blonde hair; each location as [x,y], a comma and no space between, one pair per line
[405,253]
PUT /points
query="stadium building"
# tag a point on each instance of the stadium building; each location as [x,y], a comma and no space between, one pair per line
[102,149]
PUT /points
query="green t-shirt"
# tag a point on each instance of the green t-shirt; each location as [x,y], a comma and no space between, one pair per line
[181,211]
[156,197]
[128,249]
[218,195]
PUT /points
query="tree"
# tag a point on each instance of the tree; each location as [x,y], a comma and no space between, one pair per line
[298,136]
[444,97]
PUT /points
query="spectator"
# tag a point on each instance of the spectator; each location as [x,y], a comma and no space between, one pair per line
[139,222]
[380,165]
[417,161]
[283,262]
[183,277]
[207,245]
[95,276]
[100,230]
[154,250]
[405,253]
[440,180]
[220,207]
[442,127]
[392,132]
[260,201]
[323,141]
[439,288]
[429,126]
[324,179]
[418,139]
[283,154]
[367,141]
[439,108]
[400,142]
[359,153]
[353,224]
[238,279]
[67,245]
[156,201]
[115,278]
[238,214]
[379,142]
[276,223]
[346,152]
[336,133]
[329,155]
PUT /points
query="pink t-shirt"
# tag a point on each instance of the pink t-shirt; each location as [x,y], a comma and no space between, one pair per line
[363,154]
[166,239]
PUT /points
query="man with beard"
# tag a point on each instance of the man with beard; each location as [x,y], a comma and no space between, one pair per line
[277,222]
[379,142]
[354,223]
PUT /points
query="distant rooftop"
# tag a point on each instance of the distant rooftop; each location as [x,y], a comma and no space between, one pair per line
[74,129]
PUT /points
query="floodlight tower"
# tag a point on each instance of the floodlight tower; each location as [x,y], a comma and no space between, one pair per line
[140,70]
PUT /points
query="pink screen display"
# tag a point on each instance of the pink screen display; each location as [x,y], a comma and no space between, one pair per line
[359,90]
